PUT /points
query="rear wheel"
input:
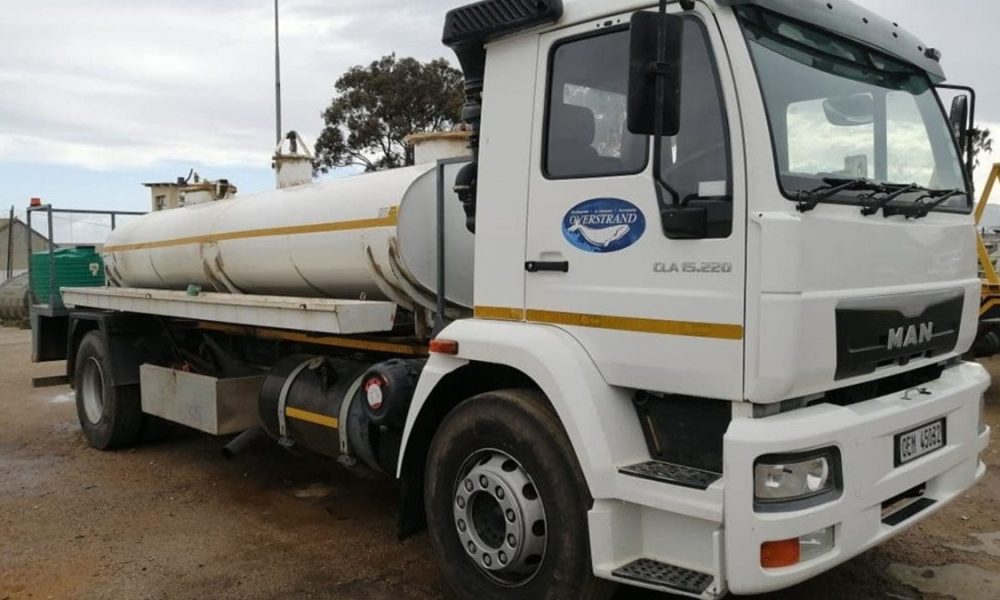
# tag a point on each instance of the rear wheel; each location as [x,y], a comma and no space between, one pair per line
[507,503]
[111,417]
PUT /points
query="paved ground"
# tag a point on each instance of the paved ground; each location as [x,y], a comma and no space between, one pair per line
[175,520]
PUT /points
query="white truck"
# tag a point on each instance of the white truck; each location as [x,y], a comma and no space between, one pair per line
[690,317]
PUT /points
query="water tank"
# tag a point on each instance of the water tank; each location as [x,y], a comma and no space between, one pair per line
[370,236]
[74,267]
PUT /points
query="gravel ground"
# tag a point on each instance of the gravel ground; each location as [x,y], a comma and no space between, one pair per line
[175,520]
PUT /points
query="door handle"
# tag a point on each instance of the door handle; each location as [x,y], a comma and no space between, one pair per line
[548,266]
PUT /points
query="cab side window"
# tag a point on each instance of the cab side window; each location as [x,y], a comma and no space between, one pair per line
[586,135]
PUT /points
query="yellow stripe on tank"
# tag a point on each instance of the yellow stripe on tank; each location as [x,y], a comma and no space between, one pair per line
[389,220]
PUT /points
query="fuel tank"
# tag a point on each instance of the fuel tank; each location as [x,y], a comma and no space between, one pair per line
[371,236]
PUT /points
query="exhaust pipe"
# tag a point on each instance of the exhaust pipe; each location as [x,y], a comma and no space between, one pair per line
[241,442]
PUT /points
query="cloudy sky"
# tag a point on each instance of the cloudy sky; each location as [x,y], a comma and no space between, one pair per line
[99,96]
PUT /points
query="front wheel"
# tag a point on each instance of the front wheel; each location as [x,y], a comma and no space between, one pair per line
[507,503]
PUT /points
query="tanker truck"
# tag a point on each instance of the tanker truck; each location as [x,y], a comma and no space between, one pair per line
[689,317]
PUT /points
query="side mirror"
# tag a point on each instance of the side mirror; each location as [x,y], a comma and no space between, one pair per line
[959,118]
[850,111]
[647,65]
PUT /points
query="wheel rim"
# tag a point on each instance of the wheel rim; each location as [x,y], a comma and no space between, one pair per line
[92,390]
[500,517]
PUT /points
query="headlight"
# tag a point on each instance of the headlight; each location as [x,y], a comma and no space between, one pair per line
[793,481]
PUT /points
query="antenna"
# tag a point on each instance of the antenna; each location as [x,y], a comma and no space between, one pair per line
[277,77]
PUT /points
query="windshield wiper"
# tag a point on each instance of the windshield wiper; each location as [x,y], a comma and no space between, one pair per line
[807,200]
[919,208]
[870,208]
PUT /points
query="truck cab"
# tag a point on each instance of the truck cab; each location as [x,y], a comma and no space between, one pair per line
[788,363]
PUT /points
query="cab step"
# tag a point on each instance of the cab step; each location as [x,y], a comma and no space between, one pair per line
[665,472]
[672,577]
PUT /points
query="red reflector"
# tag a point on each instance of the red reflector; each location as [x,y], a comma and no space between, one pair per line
[783,553]
[440,346]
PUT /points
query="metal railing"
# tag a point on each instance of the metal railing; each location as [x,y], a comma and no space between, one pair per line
[54,301]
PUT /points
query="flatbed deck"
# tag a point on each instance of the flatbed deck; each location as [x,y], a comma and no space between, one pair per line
[319,315]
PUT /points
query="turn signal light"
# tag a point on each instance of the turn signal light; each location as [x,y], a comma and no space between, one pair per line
[783,553]
[440,346]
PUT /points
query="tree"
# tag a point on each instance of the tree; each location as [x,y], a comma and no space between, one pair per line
[982,144]
[379,105]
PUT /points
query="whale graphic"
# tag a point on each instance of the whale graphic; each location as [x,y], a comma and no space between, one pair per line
[601,237]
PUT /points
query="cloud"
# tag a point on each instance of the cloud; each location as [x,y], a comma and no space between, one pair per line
[102,156]
[132,83]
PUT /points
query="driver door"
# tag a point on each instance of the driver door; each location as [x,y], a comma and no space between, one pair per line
[654,313]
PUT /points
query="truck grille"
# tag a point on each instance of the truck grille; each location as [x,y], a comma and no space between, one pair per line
[872,333]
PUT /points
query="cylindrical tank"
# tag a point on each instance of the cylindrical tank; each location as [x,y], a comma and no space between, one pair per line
[302,406]
[301,398]
[371,236]
[433,145]
[14,298]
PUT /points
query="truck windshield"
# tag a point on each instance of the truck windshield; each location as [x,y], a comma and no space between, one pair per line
[840,111]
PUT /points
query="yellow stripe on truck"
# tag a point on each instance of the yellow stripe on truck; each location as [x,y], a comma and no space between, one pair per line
[311,417]
[720,331]
[388,221]
[499,313]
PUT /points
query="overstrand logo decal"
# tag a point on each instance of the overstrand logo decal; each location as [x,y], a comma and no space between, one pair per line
[603,225]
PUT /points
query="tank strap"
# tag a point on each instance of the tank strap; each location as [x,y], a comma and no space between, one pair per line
[345,409]
[283,396]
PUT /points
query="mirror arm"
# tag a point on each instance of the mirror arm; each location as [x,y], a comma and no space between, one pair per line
[971,141]
[660,71]
[660,74]
[651,71]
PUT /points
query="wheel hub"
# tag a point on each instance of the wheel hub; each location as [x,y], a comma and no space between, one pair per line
[499,517]
[92,391]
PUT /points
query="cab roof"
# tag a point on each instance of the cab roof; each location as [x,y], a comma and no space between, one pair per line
[854,22]
[841,17]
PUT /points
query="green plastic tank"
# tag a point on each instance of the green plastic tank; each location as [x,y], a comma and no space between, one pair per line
[74,267]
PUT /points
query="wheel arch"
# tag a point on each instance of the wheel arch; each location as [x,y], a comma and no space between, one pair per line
[120,331]
[78,328]
[497,355]
[458,381]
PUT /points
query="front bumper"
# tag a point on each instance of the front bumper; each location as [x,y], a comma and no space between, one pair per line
[864,433]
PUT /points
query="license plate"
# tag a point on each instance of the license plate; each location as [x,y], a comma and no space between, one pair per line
[921,441]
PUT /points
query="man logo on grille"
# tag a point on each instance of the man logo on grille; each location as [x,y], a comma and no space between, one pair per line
[914,335]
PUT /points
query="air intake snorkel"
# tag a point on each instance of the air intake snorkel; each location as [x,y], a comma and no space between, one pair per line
[466,30]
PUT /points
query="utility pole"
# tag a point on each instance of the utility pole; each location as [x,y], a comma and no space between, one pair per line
[10,244]
[277,77]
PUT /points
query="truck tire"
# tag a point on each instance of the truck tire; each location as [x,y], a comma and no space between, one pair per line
[507,503]
[111,417]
